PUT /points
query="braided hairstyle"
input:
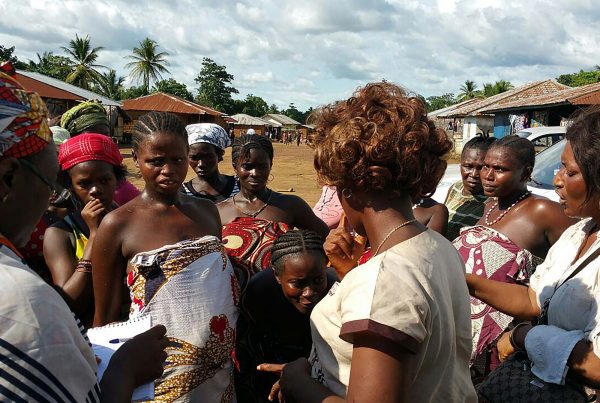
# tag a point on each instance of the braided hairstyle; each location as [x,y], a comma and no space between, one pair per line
[521,148]
[156,122]
[479,143]
[292,244]
[243,144]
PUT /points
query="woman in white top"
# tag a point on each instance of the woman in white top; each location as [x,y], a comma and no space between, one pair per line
[396,329]
[565,290]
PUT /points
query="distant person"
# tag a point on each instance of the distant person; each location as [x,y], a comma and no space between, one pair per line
[208,142]
[465,199]
[432,214]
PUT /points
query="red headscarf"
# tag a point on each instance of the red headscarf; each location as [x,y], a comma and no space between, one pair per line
[88,147]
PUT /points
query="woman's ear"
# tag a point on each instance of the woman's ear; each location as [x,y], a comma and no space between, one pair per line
[134,156]
[8,167]
[527,173]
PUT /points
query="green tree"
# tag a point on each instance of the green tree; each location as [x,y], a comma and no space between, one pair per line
[134,92]
[498,87]
[294,113]
[255,106]
[51,65]
[436,102]
[7,55]
[173,87]
[82,62]
[468,91]
[579,79]
[215,89]
[110,85]
[273,109]
[147,63]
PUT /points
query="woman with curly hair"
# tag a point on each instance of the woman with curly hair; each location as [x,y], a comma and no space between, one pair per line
[397,328]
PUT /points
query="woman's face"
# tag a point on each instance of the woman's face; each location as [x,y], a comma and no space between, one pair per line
[471,163]
[204,160]
[502,174]
[572,189]
[163,162]
[254,171]
[303,280]
[94,180]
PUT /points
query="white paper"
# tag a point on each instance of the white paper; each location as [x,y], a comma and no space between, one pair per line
[101,338]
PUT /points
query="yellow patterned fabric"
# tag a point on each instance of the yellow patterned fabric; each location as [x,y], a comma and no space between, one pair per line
[190,288]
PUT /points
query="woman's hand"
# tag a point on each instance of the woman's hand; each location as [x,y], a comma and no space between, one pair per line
[505,347]
[92,214]
[275,389]
[343,250]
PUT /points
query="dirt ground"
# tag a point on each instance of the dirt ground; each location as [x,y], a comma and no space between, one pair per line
[292,170]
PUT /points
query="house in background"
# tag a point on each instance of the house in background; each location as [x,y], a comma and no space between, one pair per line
[60,96]
[475,121]
[189,112]
[287,124]
[243,122]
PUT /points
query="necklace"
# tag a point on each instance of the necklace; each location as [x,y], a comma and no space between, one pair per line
[487,215]
[255,213]
[391,232]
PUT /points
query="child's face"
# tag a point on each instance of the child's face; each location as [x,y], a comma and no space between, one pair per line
[163,161]
[303,280]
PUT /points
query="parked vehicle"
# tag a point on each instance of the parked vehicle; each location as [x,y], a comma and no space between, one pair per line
[543,137]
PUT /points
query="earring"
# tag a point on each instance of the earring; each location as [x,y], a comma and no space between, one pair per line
[271,178]
[347,193]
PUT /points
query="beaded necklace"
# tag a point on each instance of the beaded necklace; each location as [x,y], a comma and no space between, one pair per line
[487,216]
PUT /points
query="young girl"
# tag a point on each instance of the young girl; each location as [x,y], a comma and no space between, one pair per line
[91,167]
[168,247]
[277,306]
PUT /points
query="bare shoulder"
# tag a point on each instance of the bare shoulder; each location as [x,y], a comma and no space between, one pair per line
[291,200]
[203,211]
[542,205]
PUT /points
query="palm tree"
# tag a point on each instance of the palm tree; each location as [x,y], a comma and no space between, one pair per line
[82,62]
[147,63]
[488,90]
[110,85]
[502,86]
[468,91]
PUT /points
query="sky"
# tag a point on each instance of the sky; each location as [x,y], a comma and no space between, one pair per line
[313,52]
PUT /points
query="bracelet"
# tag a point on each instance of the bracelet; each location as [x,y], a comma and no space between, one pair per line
[511,336]
[84,266]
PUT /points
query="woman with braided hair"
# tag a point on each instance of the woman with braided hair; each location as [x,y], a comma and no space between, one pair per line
[277,306]
[257,215]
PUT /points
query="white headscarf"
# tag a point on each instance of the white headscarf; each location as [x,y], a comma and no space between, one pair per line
[209,133]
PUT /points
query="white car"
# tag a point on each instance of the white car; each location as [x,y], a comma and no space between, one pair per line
[547,163]
[544,136]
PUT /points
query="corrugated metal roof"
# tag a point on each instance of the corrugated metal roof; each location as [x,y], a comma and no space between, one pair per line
[585,95]
[436,113]
[247,120]
[49,87]
[281,119]
[525,91]
[162,102]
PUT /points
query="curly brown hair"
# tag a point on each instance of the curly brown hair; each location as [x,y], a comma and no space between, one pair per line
[380,139]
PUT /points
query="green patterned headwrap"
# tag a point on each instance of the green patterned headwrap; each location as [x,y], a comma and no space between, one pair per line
[83,116]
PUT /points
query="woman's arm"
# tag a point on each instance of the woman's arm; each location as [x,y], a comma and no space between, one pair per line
[305,218]
[377,374]
[512,299]
[555,220]
[75,287]
[108,268]
[439,220]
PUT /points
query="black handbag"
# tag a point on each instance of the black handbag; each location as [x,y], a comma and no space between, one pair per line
[512,381]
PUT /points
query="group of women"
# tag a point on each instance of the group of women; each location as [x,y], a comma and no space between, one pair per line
[233,274]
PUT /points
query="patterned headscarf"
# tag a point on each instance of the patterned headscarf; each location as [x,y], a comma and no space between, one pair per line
[209,133]
[88,147]
[23,127]
[59,135]
[83,116]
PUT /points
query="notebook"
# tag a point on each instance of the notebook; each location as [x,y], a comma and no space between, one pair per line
[107,339]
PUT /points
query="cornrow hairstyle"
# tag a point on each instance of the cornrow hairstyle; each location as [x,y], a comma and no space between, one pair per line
[292,244]
[156,122]
[478,143]
[521,148]
[243,144]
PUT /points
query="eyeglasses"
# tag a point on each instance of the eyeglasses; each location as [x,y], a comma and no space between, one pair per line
[53,185]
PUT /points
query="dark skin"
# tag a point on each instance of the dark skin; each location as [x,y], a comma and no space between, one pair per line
[131,229]
[432,214]
[521,302]
[471,164]
[379,367]
[94,184]
[25,197]
[253,174]
[535,223]
[204,160]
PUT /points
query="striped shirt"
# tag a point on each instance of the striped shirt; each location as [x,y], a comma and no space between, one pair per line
[44,353]
[464,210]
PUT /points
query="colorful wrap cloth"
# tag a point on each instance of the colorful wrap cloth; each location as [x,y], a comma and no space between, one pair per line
[190,288]
[23,127]
[83,116]
[490,254]
[88,147]
[209,133]
[248,242]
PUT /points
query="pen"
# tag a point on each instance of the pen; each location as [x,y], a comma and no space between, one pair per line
[121,340]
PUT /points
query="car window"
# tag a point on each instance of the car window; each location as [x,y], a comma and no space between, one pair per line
[547,164]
